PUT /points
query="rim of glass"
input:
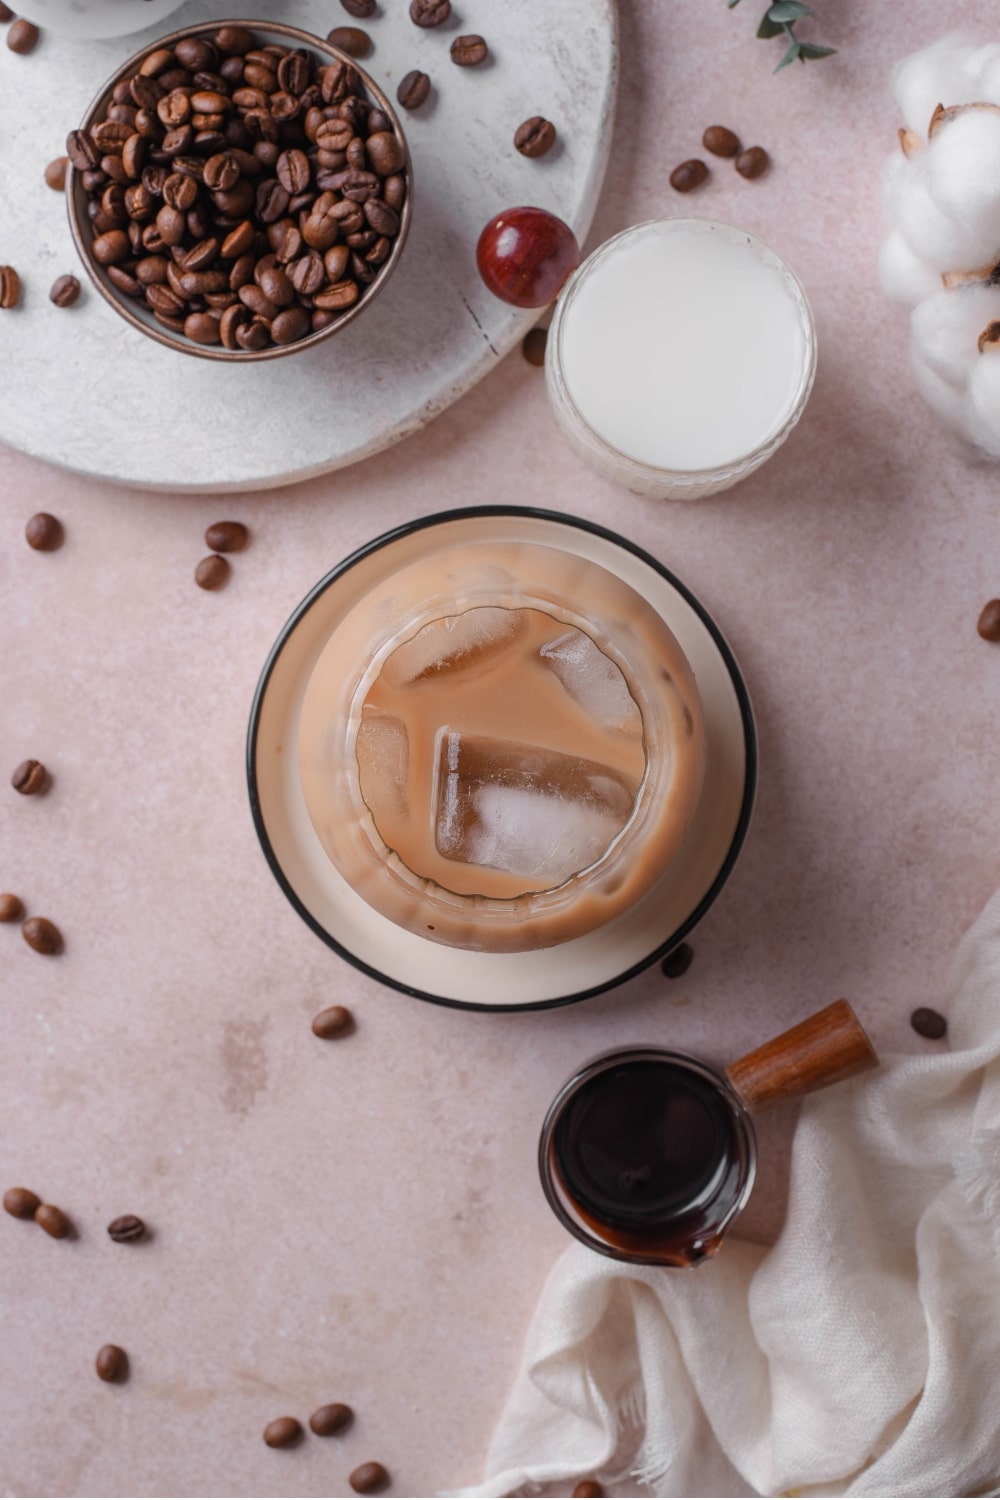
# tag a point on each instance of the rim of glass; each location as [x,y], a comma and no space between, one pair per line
[770,257]
[601,1064]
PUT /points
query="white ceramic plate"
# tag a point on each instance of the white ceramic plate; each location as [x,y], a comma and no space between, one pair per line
[133,412]
[508,981]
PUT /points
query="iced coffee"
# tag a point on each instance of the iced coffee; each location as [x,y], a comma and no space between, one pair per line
[501,745]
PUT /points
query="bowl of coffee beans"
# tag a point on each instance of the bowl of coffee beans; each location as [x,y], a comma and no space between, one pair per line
[239,190]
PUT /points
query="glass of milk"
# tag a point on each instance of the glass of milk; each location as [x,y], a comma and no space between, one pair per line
[93,19]
[680,356]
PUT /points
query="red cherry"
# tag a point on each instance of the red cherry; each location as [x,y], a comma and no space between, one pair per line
[525,254]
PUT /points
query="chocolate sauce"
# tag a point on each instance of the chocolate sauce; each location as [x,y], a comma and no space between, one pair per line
[649,1154]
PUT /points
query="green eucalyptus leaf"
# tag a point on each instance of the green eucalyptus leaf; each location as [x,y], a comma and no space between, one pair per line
[732,4]
[768,28]
[789,56]
[788,10]
[810,50]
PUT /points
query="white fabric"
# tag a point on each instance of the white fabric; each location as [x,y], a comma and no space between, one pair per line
[858,1356]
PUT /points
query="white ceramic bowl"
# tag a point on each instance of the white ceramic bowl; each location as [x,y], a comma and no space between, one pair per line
[93,19]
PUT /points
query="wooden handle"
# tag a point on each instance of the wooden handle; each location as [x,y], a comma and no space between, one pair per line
[822,1049]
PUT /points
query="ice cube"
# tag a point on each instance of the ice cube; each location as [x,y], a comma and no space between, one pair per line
[528,811]
[457,643]
[383,754]
[593,680]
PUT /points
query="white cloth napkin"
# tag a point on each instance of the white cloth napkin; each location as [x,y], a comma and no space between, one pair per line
[858,1356]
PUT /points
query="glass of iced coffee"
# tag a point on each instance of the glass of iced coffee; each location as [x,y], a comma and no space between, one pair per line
[484,766]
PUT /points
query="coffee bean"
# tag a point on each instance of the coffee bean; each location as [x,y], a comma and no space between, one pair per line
[44,532]
[361,9]
[469,51]
[367,1478]
[10,287]
[283,1432]
[688,176]
[235,40]
[535,137]
[326,1420]
[111,1364]
[533,346]
[11,907]
[721,141]
[111,247]
[428,13]
[21,1203]
[6,14]
[988,624]
[42,935]
[928,1023]
[55,173]
[22,36]
[227,536]
[753,162]
[55,1223]
[336,298]
[202,328]
[385,152]
[213,572]
[350,39]
[126,1229]
[30,778]
[413,89]
[253,335]
[65,291]
[588,1489]
[291,324]
[335,1021]
[678,961]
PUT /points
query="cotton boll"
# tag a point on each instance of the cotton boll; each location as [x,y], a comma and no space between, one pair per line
[946,329]
[932,236]
[984,402]
[940,74]
[961,168]
[946,401]
[904,276]
[984,66]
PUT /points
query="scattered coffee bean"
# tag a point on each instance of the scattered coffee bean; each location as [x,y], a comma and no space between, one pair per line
[10,287]
[533,346]
[988,624]
[361,9]
[928,1023]
[42,935]
[721,141]
[227,536]
[689,175]
[326,1420]
[429,12]
[588,1489]
[11,907]
[413,89]
[469,51]
[282,1432]
[111,1364]
[235,161]
[351,39]
[535,137]
[212,572]
[22,36]
[367,1478]
[678,961]
[30,778]
[6,14]
[53,1221]
[55,173]
[65,291]
[753,162]
[336,1020]
[44,532]
[21,1203]
[127,1229]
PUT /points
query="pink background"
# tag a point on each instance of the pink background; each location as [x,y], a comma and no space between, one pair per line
[360,1220]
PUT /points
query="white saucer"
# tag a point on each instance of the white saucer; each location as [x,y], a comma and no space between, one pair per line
[509,981]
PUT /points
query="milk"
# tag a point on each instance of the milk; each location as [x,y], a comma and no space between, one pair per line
[683,345]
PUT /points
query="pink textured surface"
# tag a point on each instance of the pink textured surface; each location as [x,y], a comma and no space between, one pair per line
[360,1220]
